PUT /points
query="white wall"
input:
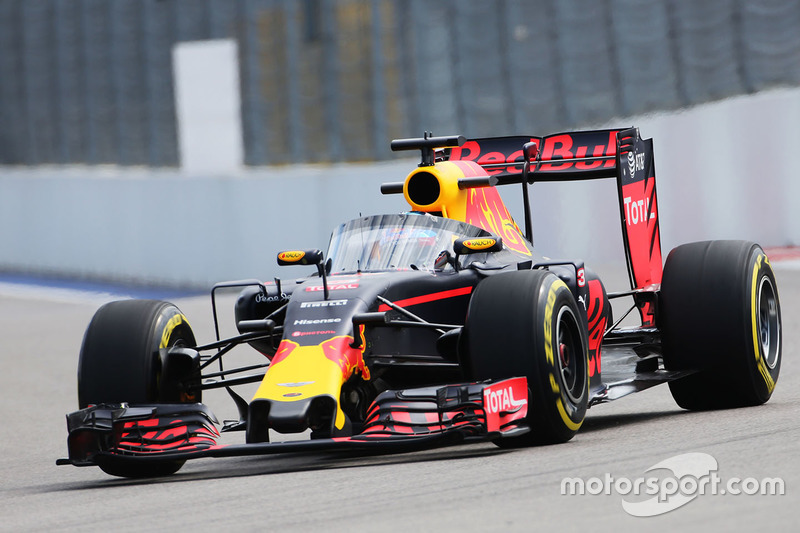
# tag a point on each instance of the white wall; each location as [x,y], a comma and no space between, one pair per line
[165,227]
[725,170]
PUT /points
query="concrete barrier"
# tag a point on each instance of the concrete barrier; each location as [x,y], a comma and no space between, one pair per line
[725,170]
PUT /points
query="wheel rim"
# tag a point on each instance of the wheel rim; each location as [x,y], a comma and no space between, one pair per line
[570,355]
[769,322]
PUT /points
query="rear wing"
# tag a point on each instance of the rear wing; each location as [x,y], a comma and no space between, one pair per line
[561,157]
[620,153]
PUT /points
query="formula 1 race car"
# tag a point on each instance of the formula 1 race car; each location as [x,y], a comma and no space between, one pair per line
[438,326]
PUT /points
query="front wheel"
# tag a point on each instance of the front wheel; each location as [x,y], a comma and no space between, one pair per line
[119,362]
[720,314]
[526,323]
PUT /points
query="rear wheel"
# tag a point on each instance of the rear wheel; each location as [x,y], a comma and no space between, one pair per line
[526,323]
[119,362]
[720,313]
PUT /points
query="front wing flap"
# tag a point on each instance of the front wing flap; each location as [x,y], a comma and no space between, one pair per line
[397,421]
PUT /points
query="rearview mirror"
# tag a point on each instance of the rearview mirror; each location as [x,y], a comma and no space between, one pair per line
[477,245]
[300,257]
[306,257]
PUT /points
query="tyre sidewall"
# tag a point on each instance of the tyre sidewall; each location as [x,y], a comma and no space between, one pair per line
[563,412]
[170,327]
[758,375]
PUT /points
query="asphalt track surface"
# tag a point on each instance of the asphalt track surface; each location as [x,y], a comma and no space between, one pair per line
[465,488]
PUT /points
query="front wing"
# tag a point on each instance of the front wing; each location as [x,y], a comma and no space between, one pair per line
[397,421]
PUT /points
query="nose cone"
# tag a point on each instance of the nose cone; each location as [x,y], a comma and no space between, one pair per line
[303,382]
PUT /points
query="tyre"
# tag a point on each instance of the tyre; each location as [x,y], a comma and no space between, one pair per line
[719,312]
[119,359]
[527,323]
[119,362]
